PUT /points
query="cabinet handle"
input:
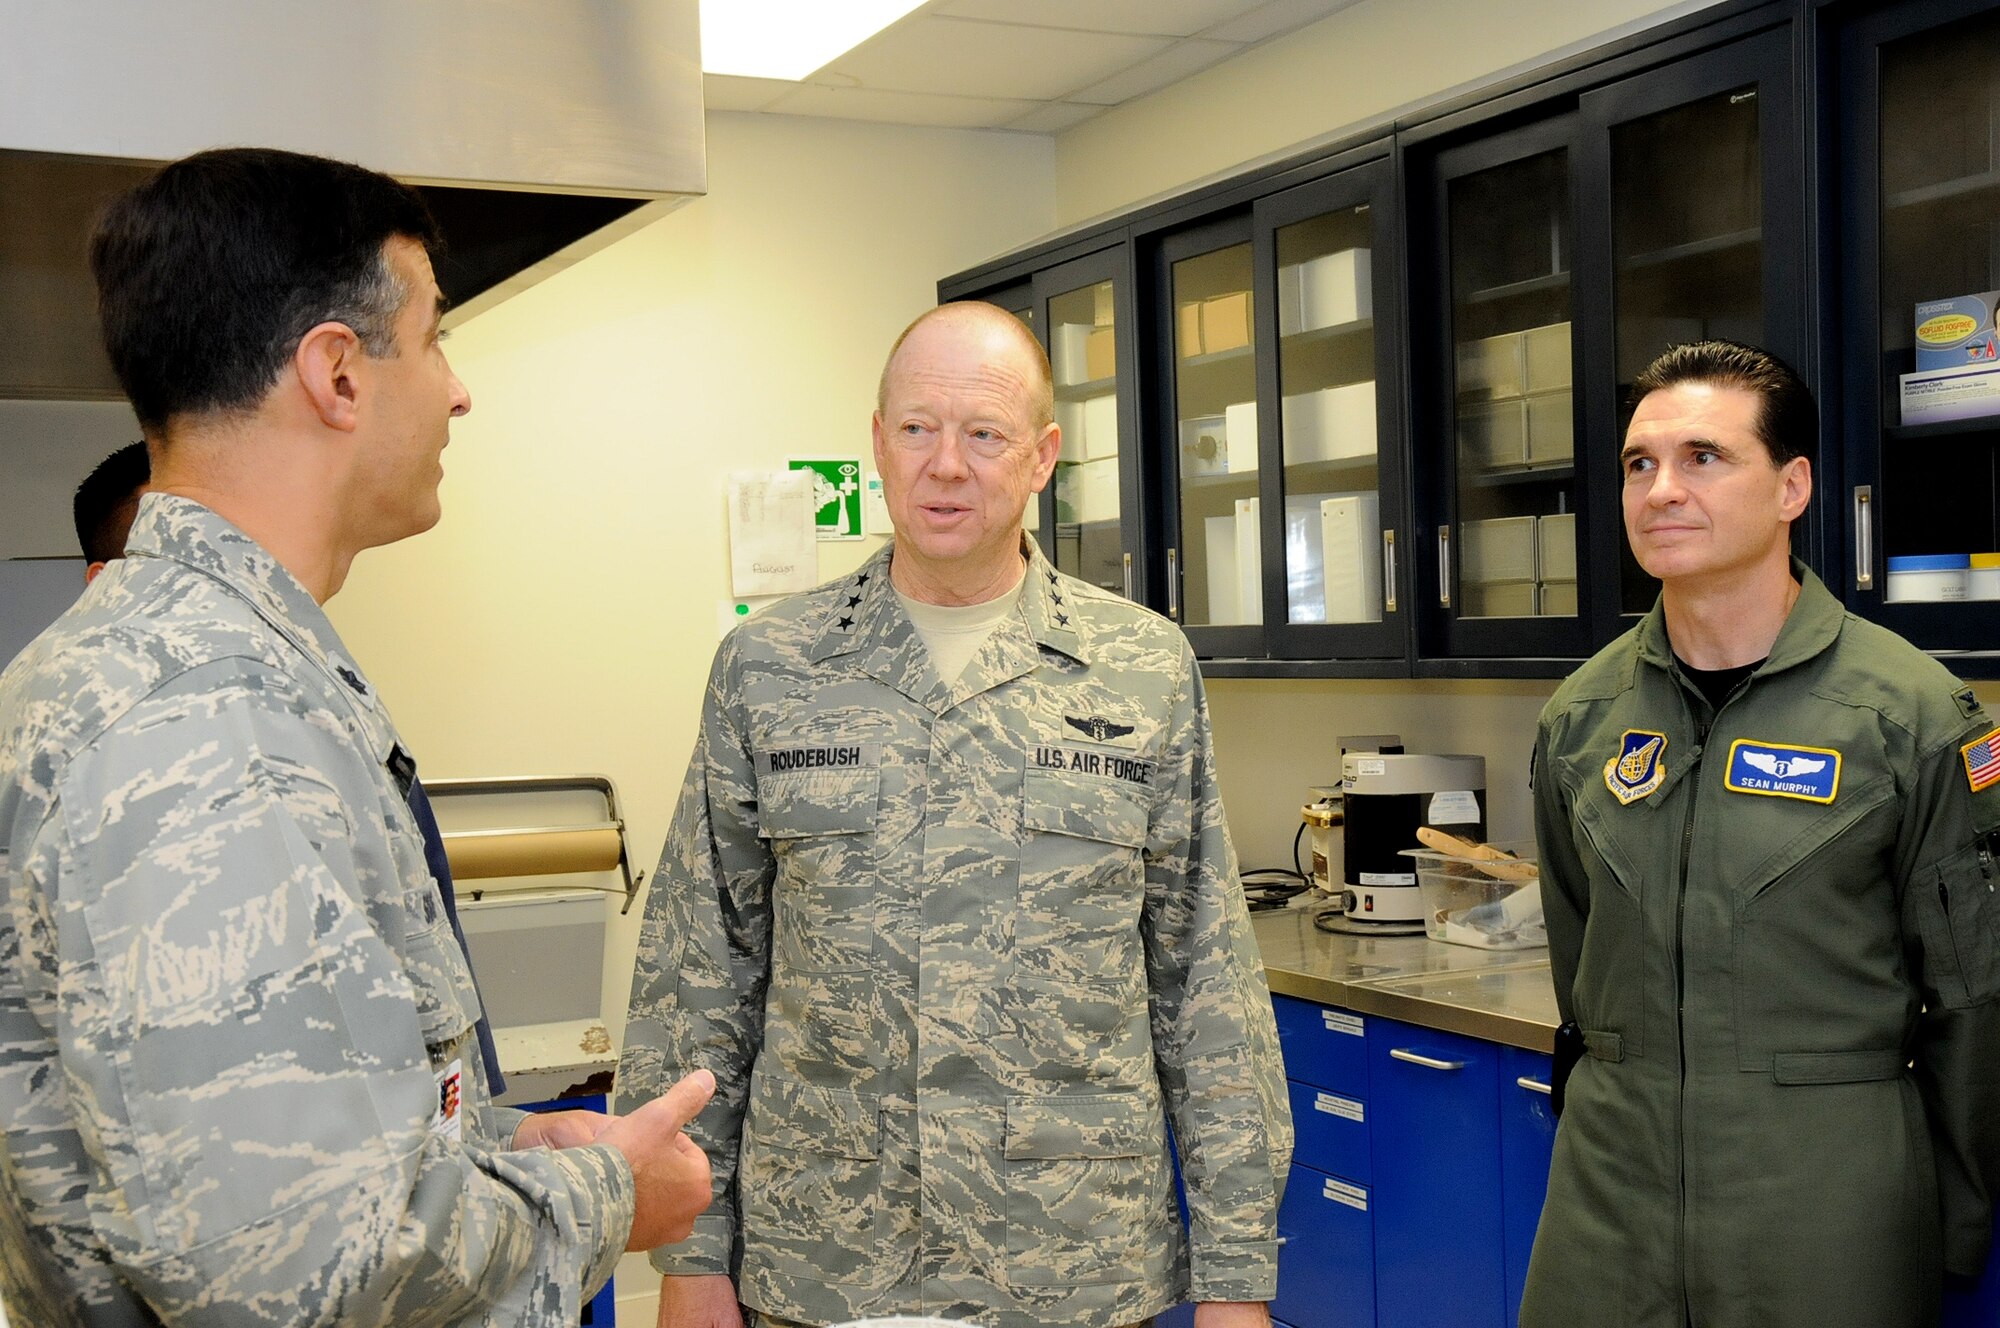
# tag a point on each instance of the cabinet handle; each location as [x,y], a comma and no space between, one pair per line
[1864,537]
[1535,1086]
[1128,576]
[1174,584]
[1428,1062]
[1444,567]
[1389,571]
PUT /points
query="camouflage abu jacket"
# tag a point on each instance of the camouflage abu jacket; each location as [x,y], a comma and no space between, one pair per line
[231,1012]
[956,953]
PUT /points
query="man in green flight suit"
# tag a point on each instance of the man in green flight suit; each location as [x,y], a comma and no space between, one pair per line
[1768,832]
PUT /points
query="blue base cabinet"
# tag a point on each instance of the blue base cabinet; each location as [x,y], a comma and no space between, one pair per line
[1326,1267]
[1436,1142]
[1527,1140]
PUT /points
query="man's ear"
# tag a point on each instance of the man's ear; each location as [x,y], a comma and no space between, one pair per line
[327,365]
[1797,488]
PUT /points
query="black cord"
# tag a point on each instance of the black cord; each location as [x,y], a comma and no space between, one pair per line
[1274,887]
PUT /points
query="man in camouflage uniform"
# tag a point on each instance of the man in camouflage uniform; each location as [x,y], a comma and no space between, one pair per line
[1767,833]
[238,1077]
[949,908]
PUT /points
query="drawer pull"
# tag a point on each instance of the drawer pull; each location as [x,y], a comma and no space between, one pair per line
[1428,1062]
[1535,1086]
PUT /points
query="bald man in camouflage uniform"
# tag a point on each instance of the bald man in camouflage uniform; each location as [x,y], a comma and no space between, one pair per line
[238,1077]
[949,907]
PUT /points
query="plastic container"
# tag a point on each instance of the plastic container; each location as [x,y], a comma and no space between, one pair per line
[1927,577]
[1983,581]
[1490,904]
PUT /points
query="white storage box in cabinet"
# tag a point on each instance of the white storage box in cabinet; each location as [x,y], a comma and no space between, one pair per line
[1497,599]
[1515,363]
[1351,550]
[1551,429]
[1555,547]
[1235,566]
[1070,419]
[1100,426]
[1070,352]
[1088,491]
[1502,549]
[1557,599]
[1239,426]
[1493,435]
[1546,357]
[1324,292]
[1332,424]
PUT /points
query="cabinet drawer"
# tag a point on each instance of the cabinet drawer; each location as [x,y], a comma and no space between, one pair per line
[1322,1045]
[1326,1267]
[1331,1130]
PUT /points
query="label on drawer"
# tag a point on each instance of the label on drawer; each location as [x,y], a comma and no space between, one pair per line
[1339,1021]
[1341,1192]
[1338,1106]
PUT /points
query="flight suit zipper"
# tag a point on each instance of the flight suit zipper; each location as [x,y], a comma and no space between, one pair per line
[1693,786]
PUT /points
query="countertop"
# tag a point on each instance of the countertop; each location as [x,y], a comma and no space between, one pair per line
[1498,995]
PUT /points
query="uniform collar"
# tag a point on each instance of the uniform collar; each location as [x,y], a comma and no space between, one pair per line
[1809,628]
[183,531]
[866,619]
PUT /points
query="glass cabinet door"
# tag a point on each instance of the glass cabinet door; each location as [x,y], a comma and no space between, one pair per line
[1701,241]
[1508,550]
[1082,313]
[1332,257]
[1214,560]
[1921,157]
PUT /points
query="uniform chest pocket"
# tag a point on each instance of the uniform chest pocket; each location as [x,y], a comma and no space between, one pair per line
[1083,876]
[1959,916]
[820,824]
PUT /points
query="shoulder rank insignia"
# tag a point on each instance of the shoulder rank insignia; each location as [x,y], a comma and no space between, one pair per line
[1778,770]
[1097,728]
[1968,702]
[1639,767]
[1982,761]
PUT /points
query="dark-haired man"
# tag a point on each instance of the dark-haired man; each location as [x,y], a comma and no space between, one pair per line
[1768,834]
[238,1077]
[105,505]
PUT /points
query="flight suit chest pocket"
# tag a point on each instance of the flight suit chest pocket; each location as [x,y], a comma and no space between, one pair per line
[1082,876]
[1959,917]
[818,806]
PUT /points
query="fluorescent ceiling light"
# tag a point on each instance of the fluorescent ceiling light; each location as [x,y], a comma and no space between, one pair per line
[788,38]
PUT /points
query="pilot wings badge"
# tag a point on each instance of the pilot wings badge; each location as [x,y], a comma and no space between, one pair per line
[1639,768]
[1783,770]
[1097,728]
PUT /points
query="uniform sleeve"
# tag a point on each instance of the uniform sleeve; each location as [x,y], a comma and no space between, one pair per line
[248,1062]
[1950,858]
[704,961]
[1214,1040]
[1565,887]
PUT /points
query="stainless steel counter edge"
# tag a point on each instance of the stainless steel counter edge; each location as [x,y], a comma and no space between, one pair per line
[1494,995]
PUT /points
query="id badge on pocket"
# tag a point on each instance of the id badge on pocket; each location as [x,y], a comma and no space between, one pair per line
[445,1119]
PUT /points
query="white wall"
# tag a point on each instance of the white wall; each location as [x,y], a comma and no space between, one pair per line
[1355,67]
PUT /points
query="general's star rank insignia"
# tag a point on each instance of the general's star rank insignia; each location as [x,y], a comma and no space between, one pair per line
[1639,767]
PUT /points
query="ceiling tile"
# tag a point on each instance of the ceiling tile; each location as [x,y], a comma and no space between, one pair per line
[1052,116]
[1275,17]
[1169,66]
[731,92]
[1172,18]
[902,107]
[929,54]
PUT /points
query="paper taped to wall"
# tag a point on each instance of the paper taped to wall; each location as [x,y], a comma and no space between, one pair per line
[771,532]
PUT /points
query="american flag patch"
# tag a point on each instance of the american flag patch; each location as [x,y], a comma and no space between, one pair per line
[1982,761]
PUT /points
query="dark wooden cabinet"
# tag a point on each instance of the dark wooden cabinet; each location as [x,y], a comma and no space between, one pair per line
[1799,174]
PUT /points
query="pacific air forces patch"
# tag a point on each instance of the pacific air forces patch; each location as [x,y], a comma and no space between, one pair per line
[1639,767]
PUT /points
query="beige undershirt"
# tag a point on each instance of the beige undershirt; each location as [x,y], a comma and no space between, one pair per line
[953,633]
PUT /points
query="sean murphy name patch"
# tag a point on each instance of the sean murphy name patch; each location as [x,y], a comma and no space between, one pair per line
[1776,770]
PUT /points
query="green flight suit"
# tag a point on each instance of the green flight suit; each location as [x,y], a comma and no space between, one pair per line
[1776,924]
